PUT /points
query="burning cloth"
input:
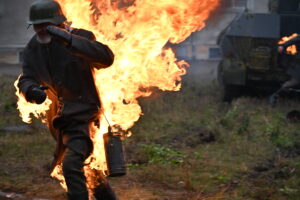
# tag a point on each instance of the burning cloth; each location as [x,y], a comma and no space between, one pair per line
[61,68]
[137,32]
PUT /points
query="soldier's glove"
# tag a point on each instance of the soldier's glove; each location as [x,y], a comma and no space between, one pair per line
[61,33]
[273,100]
[36,95]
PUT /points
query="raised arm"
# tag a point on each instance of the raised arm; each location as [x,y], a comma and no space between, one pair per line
[86,47]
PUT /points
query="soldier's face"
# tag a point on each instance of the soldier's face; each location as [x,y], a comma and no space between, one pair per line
[40,29]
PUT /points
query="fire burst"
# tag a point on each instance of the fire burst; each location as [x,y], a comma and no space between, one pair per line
[291,49]
[137,32]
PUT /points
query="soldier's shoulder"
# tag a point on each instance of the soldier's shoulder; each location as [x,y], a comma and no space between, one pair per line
[84,33]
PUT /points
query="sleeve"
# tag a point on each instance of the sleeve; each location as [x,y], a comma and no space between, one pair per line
[295,40]
[27,80]
[84,44]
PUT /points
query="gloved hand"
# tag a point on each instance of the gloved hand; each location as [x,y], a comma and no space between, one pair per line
[273,100]
[37,95]
[60,33]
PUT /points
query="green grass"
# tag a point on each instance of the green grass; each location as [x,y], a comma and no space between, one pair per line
[248,135]
[187,145]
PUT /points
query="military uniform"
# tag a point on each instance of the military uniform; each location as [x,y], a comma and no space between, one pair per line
[65,68]
[293,70]
[294,66]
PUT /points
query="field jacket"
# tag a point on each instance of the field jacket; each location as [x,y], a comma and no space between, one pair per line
[68,72]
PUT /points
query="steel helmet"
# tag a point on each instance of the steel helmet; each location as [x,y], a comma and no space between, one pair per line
[43,11]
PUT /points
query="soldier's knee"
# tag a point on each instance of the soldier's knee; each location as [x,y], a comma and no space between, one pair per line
[81,146]
[72,163]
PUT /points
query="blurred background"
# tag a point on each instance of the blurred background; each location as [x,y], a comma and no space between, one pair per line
[200,49]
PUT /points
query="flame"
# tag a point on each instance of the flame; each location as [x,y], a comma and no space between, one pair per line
[291,49]
[137,32]
[26,108]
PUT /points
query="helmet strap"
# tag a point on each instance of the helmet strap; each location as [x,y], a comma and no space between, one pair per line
[29,25]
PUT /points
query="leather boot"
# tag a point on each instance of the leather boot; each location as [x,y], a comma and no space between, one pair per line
[78,196]
[104,192]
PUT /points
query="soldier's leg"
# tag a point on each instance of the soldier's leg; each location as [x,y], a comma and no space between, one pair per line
[103,191]
[75,155]
[285,86]
[290,83]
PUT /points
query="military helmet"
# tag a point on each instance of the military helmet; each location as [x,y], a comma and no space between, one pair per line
[43,11]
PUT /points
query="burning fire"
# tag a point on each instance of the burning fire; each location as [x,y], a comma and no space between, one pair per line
[291,49]
[137,32]
[26,108]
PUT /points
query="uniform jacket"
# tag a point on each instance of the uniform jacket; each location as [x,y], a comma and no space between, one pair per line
[293,62]
[68,72]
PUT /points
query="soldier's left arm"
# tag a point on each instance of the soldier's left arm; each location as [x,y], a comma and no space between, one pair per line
[83,43]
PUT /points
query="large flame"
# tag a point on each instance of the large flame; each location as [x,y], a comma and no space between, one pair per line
[137,32]
[291,49]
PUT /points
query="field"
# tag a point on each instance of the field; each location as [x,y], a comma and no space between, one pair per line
[188,145]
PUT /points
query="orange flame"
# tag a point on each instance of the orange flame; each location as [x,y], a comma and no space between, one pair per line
[291,49]
[26,108]
[137,32]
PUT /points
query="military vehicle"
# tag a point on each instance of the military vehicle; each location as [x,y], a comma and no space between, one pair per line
[249,49]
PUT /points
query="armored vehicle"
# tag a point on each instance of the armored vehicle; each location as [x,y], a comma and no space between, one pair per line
[249,49]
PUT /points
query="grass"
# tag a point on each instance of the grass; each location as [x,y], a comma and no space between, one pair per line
[188,145]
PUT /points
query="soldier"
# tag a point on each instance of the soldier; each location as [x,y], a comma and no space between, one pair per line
[293,70]
[59,63]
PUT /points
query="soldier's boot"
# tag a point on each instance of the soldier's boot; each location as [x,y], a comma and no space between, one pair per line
[104,192]
[78,196]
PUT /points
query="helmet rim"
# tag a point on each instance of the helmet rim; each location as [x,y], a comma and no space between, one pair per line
[54,20]
[43,11]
